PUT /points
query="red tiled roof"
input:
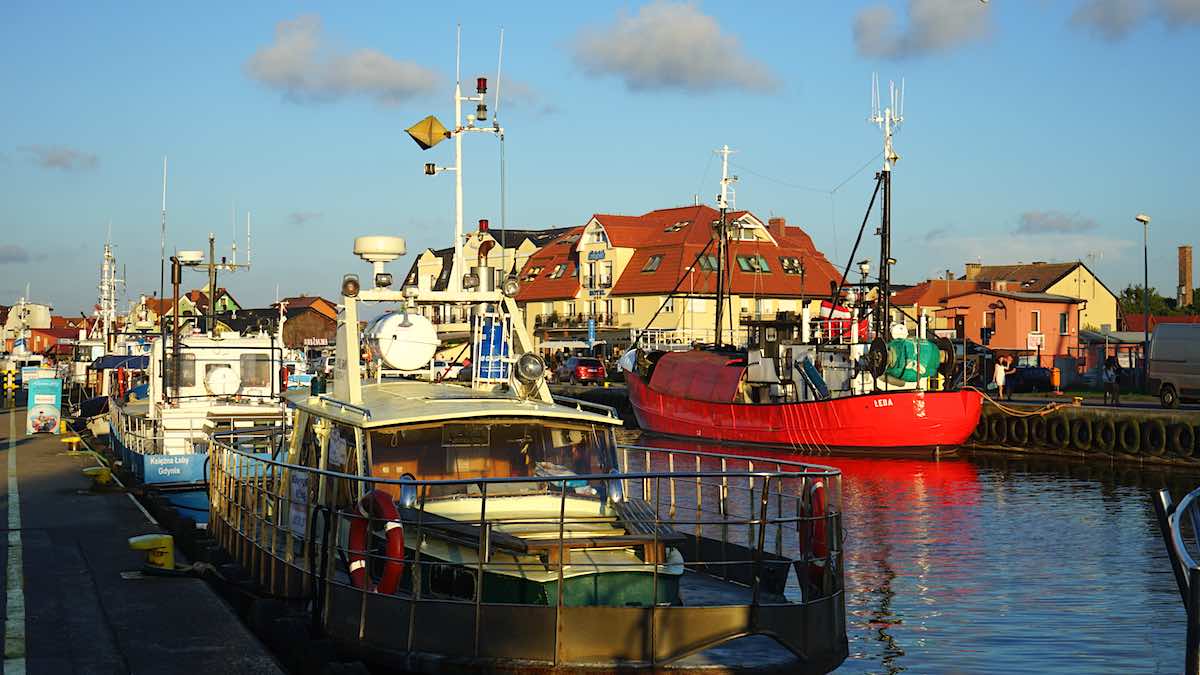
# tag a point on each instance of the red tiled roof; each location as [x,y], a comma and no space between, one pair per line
[934,292]
[560,250]
[319,304]
[1137,322]
[57,333]
[158,306]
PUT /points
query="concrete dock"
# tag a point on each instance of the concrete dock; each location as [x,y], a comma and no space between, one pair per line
[67,607]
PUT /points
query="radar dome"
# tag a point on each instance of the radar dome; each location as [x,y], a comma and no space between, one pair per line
[402,341]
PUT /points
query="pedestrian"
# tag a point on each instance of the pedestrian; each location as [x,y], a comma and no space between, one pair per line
[1111,376]
[998,374]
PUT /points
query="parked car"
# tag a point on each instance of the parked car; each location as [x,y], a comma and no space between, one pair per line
[581,370]
[1173,369]
[1029,379]
[446,370]
[322,365]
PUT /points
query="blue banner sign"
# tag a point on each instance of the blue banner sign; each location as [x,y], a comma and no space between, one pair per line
[591,331]
[45,406]
[595,255]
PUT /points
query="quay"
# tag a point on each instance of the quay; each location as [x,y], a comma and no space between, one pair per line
[68,607]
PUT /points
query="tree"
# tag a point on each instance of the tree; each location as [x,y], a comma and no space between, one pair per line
[1132,301]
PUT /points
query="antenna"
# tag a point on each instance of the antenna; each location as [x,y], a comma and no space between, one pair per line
[233,222]
[458,57]
[499,65]
[247,240]
[727,181]
[889,118]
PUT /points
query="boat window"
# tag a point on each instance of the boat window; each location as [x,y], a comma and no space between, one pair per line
[256,370]
[181,372]
[492,448]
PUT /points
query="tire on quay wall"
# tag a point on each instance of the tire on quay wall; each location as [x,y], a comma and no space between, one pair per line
[1129,436]
[1154,437]
[997,430]
[1018,431]
[1039,430]
[1181,439]
[1081,434]
[1058,431]
[980,434]
[1104,435]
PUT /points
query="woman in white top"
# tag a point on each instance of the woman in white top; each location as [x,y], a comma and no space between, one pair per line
[999,373]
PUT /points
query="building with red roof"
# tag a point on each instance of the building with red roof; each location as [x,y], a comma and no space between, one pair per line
[659,271]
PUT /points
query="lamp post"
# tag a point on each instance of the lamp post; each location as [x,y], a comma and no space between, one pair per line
[1145,221]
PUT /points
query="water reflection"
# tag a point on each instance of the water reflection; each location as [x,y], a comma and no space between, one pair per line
[988,563]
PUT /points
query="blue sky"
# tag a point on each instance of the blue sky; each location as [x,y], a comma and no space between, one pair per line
[1034,130]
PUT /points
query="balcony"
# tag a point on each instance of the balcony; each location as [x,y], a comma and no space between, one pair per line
[555,320]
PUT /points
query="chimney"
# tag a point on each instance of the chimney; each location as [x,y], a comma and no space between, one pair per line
[1185,276]
[973,270]
[776,227]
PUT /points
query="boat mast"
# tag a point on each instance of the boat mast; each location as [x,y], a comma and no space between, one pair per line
[888,121]
[722,236]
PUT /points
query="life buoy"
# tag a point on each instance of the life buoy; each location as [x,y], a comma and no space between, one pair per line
[814,532]
[376,505]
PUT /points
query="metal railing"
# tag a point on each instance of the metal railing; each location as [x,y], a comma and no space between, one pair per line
[1176,522]
[708,548]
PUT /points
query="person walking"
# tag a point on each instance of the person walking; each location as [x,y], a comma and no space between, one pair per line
[1111,376]
[998,377]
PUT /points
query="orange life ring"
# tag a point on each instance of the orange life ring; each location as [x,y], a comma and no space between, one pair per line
[376,505]
[814,535]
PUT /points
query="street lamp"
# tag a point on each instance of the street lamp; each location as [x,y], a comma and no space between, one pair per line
[1145,221]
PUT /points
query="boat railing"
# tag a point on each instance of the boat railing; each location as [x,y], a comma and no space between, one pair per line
[722,547]
[1180,527]
[585,406]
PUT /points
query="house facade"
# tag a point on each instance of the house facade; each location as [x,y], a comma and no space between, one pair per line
[1038,328]
[658,271]
[1098,307]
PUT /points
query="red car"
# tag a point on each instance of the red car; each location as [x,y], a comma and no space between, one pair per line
[581,370]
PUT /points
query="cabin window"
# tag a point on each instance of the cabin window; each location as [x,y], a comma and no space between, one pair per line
[256,370]
[492,448]
[652,263]
[181,372]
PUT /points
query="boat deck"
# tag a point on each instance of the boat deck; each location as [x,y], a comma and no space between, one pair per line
[67,607]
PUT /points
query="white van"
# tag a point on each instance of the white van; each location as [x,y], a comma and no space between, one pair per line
[1173,369]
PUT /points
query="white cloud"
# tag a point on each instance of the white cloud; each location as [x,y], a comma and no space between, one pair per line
[303,217]
[298,64]
[669,46]
[1053,222]
[60,157]
[1115,19]
[931,26]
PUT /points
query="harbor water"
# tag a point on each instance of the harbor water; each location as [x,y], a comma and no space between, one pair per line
[993,564]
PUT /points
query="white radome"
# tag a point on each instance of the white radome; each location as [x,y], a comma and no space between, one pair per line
[402,341]
[379,248]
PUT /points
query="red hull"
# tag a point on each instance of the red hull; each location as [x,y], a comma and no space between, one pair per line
[887,420]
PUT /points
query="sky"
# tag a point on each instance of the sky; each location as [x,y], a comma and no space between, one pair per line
[1033,130]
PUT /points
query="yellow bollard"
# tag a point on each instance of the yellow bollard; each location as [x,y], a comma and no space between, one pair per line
[100,475]
[159,548]
[72,442]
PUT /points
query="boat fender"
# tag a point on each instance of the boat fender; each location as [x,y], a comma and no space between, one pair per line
[1104,435]
[997,430]
[1081,434]
[1181,439]
[1129,436]
[1154,437]
[979,435]
[1058,431]
[1038,430]
[376,505]
[1018,431]
[120,383]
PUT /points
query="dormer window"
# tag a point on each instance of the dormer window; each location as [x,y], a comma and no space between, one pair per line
[558,271]
[652,263]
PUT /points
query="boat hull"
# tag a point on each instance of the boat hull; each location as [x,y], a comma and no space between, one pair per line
[903,419]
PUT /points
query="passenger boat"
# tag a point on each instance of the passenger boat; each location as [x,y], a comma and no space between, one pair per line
[485,525]
[201,384]
[851,378]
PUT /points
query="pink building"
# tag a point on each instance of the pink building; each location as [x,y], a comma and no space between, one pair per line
[1038,327]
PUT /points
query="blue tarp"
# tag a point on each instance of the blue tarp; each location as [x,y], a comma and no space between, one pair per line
[111,361]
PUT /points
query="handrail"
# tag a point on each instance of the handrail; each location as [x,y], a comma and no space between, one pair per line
[1186,570]
[325,398]
[580,404]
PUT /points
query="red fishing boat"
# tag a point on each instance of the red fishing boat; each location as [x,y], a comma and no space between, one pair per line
[696,394]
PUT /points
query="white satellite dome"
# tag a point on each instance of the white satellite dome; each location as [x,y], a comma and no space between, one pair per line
[222,381]
[402,341]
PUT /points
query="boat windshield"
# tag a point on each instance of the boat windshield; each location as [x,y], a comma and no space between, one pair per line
[494,448]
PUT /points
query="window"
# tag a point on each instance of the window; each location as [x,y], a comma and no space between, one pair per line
[186,371]
[598,236]
[653,263]
[753,263]
[1035,321]
[256,370]
[669,305]
[708,263]
[628,305]
[1062,323]
[570,307]
[744,264]
[989,320]
[558,271]
[791,265]
[533,272]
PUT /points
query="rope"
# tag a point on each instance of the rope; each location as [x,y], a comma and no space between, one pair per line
[1017,412]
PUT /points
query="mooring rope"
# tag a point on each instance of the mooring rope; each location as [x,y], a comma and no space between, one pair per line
[1016,412]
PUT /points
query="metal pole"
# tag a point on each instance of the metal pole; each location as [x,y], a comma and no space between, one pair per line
[1145,301]
[1192,666]
[212,285]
